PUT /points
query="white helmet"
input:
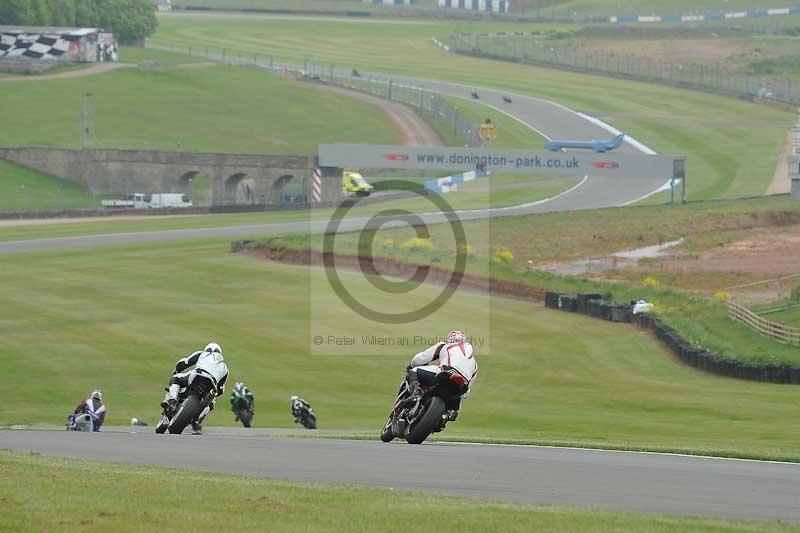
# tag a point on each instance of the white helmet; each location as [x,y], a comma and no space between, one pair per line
[456,336]
[97,394]
[293,398]
[213,347]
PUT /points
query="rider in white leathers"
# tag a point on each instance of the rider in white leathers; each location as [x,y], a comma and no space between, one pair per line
[208,360]
[456,353]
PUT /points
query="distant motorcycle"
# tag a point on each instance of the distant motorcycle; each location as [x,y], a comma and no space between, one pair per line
[241,404]
[303,413]
[415,419]
[193,404]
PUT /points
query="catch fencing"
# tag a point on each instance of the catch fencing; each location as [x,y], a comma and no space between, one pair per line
[426,102]
[524,48]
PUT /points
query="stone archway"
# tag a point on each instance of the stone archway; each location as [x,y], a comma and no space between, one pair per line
[194,184]
[186,180]
[240,189]
[281,192]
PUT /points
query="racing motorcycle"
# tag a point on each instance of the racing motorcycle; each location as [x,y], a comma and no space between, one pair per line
[193,399]
[303,413]
[416,418]
[240,405]
[81,422]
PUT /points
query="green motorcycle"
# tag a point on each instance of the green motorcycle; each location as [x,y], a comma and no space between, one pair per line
[242,404]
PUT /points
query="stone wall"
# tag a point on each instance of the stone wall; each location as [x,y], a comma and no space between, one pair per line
[232,178]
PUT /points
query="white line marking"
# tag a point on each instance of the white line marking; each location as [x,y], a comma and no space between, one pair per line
[611,129]
[640,452]
[522,206]
[662,188]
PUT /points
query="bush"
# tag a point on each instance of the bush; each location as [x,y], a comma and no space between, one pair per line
[466,248]
[503,255]
[416,243]
[723,296]
[651,283]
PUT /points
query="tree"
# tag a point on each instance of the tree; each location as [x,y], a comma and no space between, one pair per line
[15,12]
[41,13]
[62,12]
[130,20]
[86,13]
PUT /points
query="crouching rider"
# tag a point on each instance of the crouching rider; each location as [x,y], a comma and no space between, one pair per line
[92,406]
[210,356]
[454,353]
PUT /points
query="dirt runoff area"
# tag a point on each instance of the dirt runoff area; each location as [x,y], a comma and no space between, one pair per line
[416,130]
[739,261]
[770,254]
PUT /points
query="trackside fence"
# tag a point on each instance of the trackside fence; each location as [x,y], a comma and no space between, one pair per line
[528,49]
[776,330]
[426,102]
[691,354]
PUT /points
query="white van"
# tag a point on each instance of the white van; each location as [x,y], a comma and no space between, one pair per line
[170,199]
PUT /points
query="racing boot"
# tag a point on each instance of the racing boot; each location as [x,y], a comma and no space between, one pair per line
[171,398]
[413,386]
[197,425]
[451,414]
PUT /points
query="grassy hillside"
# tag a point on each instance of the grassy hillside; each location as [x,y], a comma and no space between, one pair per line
[214,109]
[732,146]
[23,189]
[92,319]
[684,301]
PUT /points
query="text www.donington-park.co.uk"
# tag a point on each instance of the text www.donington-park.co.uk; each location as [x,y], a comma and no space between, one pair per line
[500,162]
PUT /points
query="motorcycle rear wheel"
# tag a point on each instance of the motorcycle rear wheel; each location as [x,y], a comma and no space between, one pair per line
[187,412]
[430,419]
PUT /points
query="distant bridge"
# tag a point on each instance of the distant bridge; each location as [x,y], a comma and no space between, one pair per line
[232,179]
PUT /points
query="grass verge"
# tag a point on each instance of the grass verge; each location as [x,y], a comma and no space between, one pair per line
[42,493]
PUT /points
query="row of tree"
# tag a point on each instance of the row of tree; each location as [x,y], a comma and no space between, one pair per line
[129,20]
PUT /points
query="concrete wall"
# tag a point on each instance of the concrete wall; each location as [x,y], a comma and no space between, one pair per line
[232,178]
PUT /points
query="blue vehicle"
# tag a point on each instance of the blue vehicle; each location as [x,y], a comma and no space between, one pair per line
[597,146]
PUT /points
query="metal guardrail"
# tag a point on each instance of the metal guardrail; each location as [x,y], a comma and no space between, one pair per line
[781,332]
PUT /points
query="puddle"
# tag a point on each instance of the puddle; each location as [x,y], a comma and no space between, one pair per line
[627,258]
[657,250]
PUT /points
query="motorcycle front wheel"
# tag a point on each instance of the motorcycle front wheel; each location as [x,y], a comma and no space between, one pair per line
[386,433]
[310,422]
[163,424]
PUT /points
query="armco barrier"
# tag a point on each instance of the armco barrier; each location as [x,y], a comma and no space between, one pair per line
[693,356]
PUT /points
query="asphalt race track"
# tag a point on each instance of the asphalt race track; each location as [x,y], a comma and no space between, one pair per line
[623,481]
[548,118]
